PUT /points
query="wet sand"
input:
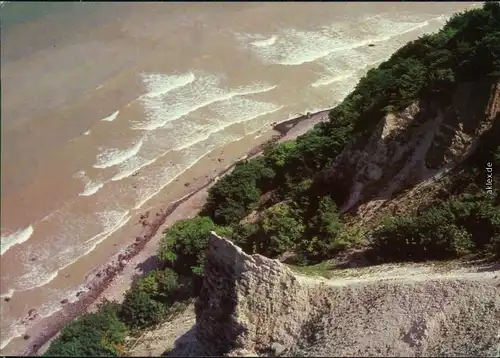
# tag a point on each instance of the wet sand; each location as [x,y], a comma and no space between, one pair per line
[113,279]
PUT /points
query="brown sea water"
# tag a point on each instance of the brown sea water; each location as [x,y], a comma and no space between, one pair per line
[105,105]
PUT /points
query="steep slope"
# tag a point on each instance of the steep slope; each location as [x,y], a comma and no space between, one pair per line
[421,142]
[254,305]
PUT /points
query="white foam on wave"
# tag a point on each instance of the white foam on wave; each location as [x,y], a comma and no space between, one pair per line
[159,84]
[325,81]
[158,144]
[294,47]
[111,117]
[9,293]
[111,221]
[15,238]
[56,255]
[185,133]
[231,112]
[184,100]
[344,68]
[90,187]
[132,168]
[113,156]
[14,331]
[168,175]
[86,133]
[148,193]
[265,42]
[51,215]
[17,329]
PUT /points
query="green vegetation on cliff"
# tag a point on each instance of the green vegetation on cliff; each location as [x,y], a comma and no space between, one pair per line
[466,49]
[93,334]
[295,206]
[470,223]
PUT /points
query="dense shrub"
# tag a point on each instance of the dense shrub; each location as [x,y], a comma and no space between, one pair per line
[97,334]
[245,235]
[479,215]
[184,244]
[140,310]
[431,236]
[159,284]
[234,195]
[281,229]
[323,232]
[470,223]
[494,247]
[150,298]
[277,155]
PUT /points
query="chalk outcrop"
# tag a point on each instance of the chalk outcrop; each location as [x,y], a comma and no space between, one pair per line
[248,303]
[252,305]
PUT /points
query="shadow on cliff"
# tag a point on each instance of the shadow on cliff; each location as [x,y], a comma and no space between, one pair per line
[217,330]
[351,176]
[352,184]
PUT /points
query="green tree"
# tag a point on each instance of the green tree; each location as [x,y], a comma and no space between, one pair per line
[158,284]
[167,281]
[431,236]
[281,229]
[235,194]
[97,334]
[185,242]
[479,215]
[468,223]
[139,310]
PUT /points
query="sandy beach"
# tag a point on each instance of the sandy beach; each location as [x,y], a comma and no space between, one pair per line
[113,279]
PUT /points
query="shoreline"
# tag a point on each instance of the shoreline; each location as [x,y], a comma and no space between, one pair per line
[102,278]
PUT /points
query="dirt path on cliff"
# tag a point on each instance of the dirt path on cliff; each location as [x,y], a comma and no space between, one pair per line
[406,310]
[405,273]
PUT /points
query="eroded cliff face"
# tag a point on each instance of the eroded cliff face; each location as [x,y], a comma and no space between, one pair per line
[252,305]
[422,141]
[248,303]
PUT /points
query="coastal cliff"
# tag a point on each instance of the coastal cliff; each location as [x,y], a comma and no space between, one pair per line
[252,305]
[421,142]
[247,303]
